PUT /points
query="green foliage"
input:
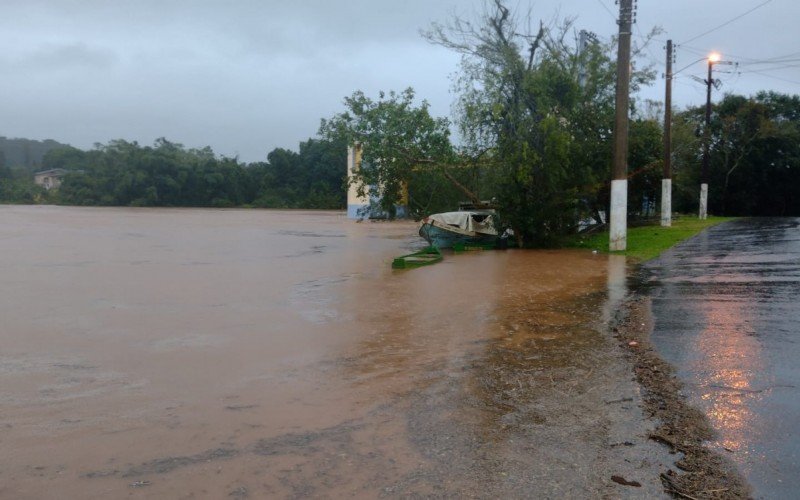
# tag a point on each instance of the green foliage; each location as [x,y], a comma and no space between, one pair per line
[167,174]
[645,165]
[541,109]
[398,137]
[5,171]
[312,178]
[754,156]
[27,154]
[20,191]
[535,113]
[16,185]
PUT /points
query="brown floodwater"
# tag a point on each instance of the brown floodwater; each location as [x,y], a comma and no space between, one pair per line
[244,353]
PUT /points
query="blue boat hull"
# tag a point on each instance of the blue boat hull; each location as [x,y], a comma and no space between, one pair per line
[442,238]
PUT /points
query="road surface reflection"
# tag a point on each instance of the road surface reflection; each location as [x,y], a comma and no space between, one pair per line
[727,306]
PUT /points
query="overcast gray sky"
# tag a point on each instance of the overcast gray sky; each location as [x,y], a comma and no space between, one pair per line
[245,76]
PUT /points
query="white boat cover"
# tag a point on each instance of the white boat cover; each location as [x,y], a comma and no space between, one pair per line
[477,222]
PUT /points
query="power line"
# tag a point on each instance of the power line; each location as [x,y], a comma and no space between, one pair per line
[727,22]
[601,2]
[783,57]
[771,62]
[775,77]
[689,65]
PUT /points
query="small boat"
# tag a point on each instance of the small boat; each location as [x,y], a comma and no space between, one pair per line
[424,257]
[463,228]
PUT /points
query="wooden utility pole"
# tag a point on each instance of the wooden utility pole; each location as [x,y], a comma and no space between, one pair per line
[666,182]
[618,232]
[703,212]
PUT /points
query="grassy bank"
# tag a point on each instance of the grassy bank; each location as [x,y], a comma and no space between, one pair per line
[647,242]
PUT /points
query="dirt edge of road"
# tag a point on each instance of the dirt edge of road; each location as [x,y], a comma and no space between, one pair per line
[702,473]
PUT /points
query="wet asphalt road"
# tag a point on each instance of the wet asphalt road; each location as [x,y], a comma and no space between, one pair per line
[727,315]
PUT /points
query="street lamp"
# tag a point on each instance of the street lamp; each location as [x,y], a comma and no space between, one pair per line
[713,58]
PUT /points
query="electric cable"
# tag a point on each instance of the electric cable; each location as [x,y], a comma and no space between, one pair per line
[727,22]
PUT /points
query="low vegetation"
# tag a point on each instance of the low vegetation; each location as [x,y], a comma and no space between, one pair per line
[647,242]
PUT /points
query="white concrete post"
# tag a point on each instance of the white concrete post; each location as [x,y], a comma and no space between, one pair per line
[703,201]
[619,215]
[666,202]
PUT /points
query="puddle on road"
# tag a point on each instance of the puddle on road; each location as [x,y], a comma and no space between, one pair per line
[279,370]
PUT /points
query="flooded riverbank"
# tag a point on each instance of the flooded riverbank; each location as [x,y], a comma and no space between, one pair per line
[215,353]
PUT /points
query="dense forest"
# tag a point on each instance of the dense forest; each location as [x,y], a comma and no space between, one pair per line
[26,153]
[124,173]
[754,155]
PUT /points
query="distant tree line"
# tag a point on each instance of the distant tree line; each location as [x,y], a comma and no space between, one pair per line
[26,154]
[123,173]
[19,158]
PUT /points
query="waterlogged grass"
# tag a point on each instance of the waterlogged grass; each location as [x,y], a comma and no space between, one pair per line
[647,242]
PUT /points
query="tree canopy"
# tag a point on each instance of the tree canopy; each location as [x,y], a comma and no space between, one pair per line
[535,112]
[122,173]
[754,155]
[400,137]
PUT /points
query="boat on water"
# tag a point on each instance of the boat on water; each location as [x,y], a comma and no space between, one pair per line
[424,257]
[449,229]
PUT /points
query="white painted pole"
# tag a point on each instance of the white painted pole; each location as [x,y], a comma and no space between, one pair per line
[703,201]
[666,202]
[666,182]
[619,215]
[619,185]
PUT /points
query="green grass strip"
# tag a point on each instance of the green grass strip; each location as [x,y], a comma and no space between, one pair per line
[647,242]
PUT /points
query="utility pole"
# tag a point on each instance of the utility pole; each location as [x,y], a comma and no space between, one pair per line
[666,182]
[618,232]
[713,58]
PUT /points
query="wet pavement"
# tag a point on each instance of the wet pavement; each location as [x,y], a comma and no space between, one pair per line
[169,353]
[727,314]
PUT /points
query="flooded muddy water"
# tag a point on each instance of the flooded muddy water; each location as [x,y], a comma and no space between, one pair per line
[177,353]
[727,314]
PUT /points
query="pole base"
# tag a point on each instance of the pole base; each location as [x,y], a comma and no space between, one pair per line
[618,232]
[703,201]
[666,202]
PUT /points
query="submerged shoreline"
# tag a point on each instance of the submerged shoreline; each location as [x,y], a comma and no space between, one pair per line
[684,429]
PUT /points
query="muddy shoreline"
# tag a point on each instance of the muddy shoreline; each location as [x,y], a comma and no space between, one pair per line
[700,472]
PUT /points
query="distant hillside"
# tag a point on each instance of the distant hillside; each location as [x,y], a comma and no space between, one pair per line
[26,153]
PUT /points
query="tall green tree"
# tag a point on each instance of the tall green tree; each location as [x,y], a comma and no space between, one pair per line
[754,154]
[538,106]
[398,136]
[645,160]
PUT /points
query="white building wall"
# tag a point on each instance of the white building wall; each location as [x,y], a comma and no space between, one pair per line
[357,206]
